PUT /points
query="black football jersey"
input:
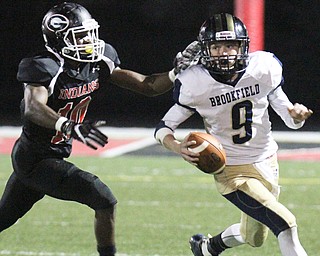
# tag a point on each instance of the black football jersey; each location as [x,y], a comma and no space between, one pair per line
[70,93]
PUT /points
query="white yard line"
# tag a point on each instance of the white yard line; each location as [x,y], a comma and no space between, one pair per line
[31,253]
[8,252]
[136,145]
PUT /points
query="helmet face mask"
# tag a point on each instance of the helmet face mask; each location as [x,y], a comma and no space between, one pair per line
[69,30]
[83,43]
[223,63]
[224,30]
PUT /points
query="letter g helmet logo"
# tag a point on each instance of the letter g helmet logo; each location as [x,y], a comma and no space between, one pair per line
[57,23]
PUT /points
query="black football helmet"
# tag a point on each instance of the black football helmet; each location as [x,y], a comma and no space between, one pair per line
[69,30]
[219,28]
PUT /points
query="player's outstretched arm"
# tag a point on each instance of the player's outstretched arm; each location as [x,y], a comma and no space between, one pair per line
[153,85]
[157,84]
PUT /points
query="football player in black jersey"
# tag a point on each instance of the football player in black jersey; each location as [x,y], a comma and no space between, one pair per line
[59,85]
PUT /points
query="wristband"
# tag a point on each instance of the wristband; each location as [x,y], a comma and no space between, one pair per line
[161,133]
[60,122]
[172,75]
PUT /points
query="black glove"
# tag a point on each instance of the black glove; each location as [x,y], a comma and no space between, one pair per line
[86,132]
[188,57]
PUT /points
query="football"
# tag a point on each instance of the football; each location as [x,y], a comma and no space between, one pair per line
[212,158]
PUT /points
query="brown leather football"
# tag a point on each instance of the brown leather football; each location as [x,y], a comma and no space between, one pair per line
[212,158]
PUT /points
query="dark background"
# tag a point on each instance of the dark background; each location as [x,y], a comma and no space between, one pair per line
[147,35]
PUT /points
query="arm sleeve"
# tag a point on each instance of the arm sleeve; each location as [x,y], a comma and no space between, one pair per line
[280,103]
[173,118]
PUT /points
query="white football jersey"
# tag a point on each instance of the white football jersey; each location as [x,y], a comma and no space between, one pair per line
[236,114]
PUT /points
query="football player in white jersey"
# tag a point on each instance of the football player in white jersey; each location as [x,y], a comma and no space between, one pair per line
[232,90]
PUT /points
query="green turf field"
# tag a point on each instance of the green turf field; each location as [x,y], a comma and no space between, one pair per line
[162,202]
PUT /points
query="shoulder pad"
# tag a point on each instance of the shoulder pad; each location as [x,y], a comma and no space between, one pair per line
[112,54]
[38,69]
[265,67]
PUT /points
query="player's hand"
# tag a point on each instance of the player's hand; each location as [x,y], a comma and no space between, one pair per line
[299,112]
[86,132]
[188,57]
[187,155]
